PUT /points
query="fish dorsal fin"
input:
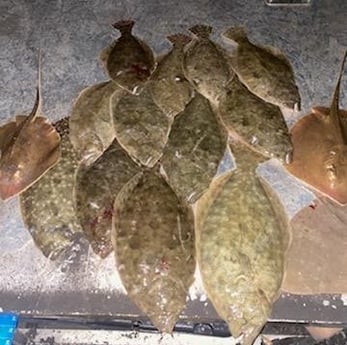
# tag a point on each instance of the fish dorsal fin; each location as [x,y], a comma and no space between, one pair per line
[334,108]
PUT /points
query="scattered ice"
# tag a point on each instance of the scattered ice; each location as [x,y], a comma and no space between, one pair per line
[344,299]
[326,303]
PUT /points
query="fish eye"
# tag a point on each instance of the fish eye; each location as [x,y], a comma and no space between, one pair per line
[178,78]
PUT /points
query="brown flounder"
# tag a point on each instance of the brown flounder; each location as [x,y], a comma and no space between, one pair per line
[170,89]
[29,148]
[47,206]
[91,125]
[264,70]
[258,124]
[205,65]
[141,127]
[95,190]
[194,150]
[129,61]
[240,248]
[320,148]
[154,245]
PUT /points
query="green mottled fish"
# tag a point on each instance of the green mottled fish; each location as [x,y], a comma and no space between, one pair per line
[265,71]
[154,244]
[129,61]
[240,248]
[194,150]
[47,206]
[171,91]
[141,127]
[257,124]
[205,65]
[95,190]
[91,127]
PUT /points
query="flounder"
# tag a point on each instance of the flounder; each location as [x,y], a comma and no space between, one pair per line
[240,247]
[171,91]
[265,71]
[47,206]
[91,126]
[129,61]
[141,127]
[194,150]
[320,148]
[154,244]
[95,190]
[29,148]
[205,65]
[259,125]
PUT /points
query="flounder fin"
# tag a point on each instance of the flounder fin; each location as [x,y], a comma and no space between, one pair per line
[124,26]
[179,40]
[237,34]
[201,31]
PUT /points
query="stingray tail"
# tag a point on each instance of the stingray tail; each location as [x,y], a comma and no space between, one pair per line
[237,34]
[201,31]
[335,113]
[179,40]
[124,26]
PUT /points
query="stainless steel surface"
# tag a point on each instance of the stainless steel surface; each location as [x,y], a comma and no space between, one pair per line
[71,34]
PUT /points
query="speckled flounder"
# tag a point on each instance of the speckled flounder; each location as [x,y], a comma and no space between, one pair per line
[240,248]
[194,150]
[154,244]
[265,71]
[91,126]
[205,65]
[29,147]
[257,124]
[320,148]
[47,206]
[129,61]
[95,190]
[141,127]
[170,89]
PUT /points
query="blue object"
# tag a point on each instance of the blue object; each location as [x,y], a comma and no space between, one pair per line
[8,325]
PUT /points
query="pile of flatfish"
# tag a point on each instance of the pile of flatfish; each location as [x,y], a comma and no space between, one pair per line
[142,172]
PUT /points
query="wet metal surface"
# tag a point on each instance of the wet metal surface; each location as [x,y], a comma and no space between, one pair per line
[71,34]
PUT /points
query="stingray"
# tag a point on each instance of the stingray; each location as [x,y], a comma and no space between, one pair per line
[29,147]
[153,235]
[316,260]
[320,148]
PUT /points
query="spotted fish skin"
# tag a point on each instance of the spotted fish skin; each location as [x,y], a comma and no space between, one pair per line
[129,61]
[240,248]
[141,127]
[154,244]
[265,71]
[259,125]
[194,150]
[47,206]
[170,90]
[320,148]
[205,65]
[91,127]
[95,190]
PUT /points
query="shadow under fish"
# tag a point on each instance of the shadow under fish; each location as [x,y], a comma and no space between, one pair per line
[320,148]
[29,148]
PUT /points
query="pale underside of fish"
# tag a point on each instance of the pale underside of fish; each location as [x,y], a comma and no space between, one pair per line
[240,248]
[154,244]
[259,125]
[141,127]
[317,255]
[95,190]
[194,150]
[205,64]
[47,206]
[91,126]
[129,61]
[170,90]
[264,70]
